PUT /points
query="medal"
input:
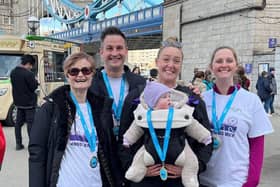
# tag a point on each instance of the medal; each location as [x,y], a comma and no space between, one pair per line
[161,151]
[90,136]
[218,123]
[116,127]
[116,130]
[216,141]
[163,173]
[93,162]
[117,109]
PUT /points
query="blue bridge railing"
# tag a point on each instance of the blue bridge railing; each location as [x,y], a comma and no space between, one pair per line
[142,22]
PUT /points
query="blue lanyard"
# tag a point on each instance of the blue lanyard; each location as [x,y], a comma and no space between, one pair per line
[218,123]
[161,152]
[117,109]
[90,137]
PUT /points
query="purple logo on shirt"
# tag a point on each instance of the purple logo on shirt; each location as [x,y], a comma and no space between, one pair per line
[229,128]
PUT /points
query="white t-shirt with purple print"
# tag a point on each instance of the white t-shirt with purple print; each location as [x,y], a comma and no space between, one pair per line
[228,165]
[75,167]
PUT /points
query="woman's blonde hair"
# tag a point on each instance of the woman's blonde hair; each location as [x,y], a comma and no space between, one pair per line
[170,42]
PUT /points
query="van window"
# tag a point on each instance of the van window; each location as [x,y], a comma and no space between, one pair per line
[53,66]
[7,64]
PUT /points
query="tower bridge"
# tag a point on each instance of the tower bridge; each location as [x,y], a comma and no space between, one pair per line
[141,22]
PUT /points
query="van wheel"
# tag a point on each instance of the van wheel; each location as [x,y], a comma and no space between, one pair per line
[12,116]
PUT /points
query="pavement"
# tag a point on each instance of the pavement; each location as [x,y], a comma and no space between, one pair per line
[14,171]
[271,168]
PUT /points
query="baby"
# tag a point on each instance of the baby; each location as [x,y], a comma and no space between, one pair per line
[161,109]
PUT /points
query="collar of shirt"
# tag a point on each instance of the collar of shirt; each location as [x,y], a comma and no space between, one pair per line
[230,90]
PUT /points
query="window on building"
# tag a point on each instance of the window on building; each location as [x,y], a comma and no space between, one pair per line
[4,2]
[6,20]
[12,20]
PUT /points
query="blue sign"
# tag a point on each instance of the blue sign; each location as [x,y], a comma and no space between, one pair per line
[272,42]
[248,68]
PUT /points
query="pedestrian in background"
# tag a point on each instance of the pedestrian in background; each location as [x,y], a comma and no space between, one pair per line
[24,85]
[71,141]
[136,70]
[153,74]
[2,145]
[264,90]
[239,124]
[208,80]
[195,70]
[273,86]
[198,81]
[119,83]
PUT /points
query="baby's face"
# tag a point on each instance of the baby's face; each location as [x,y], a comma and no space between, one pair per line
[163,102]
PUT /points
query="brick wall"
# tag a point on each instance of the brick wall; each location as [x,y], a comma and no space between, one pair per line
[244,25]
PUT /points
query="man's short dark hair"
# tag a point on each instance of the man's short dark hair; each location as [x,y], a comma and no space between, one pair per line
[271,69]
[199,74]
[25,59]
[112,31]
[154,73]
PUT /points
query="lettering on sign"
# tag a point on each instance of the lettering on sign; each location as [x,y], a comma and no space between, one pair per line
[9,43]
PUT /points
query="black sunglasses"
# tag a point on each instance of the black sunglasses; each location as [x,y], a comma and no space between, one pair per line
[76,71]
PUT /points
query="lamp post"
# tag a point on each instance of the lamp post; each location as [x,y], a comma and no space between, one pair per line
[33,24]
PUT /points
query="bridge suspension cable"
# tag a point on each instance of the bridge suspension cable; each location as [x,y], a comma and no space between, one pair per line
[68,12]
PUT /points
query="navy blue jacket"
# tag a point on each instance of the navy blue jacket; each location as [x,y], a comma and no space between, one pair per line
[263,88]
[136,86]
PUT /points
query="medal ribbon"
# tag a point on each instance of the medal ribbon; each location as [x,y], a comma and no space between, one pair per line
[161,152]
[117,109]
[218,123]
[91,137]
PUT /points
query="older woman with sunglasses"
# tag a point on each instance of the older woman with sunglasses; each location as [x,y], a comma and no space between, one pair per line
[71,141]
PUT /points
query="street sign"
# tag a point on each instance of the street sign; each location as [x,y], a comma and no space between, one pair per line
[272,42]
[248,68]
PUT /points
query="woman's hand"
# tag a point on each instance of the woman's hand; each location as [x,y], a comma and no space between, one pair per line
[153,170]
[173,171]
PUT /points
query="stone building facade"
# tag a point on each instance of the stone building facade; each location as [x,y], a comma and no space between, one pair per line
[15,13]
[245,25]
[6,22]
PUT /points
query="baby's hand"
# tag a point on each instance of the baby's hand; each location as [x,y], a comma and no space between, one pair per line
[126,146]
[207,140]
[126,143]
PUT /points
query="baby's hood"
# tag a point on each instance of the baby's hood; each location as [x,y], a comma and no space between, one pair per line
[178,99]
[182,113]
